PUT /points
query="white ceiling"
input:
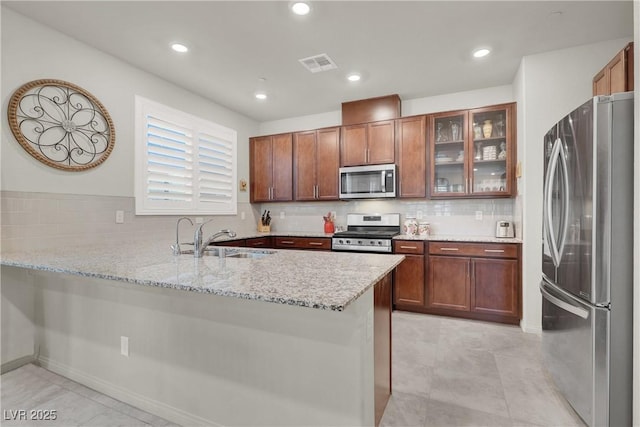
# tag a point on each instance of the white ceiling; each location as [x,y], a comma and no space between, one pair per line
[415,49]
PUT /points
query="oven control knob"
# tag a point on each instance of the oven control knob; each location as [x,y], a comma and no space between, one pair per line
[359,242]
[348,242]
[380,242]
[371,242]
[340,242]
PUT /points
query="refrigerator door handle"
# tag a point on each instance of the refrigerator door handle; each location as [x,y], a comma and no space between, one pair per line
[548,197]
[571,308]
[565,220]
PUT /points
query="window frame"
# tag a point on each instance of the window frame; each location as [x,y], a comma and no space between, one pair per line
[144,205]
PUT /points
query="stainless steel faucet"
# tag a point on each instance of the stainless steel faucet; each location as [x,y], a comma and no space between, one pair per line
[199,246]
[176,247]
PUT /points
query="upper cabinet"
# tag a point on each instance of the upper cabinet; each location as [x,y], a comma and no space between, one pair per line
[271,168]
[472,153]
[617,75]
[412,146]
[368,144]
[316,160]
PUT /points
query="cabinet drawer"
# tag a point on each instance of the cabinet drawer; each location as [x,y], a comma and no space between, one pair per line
[303,243]
[492,250]
[408,247]
[259,242]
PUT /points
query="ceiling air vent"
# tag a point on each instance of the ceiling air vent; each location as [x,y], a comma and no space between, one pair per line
[318,63]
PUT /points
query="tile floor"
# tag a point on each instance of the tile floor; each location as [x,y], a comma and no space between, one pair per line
[446,372]
[456,372]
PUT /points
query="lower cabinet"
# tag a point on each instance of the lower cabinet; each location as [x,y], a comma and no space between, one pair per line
[472,280]
[475,280]
[317,243]
[408,288]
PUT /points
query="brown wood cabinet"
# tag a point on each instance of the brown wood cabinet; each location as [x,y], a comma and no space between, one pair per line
[472,153]
[368,143]
[316,243]
[617,75]
[475,280]
[382,345]
[259,242]
[271,168]
[412,146]
[409,279]
[316,160]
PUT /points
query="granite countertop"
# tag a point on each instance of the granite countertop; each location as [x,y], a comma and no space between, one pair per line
[462,239]
[318,279]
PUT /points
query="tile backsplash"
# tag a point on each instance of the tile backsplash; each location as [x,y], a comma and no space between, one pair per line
[447,217]
[48,220]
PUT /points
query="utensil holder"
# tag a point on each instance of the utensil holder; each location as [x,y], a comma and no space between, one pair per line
[264,228]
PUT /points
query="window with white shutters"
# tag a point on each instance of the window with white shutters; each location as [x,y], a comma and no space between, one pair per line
[184,164]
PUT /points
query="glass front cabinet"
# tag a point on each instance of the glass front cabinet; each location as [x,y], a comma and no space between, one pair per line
[473,153]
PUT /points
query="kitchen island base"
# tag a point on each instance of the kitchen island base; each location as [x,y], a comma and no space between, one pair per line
[201,359]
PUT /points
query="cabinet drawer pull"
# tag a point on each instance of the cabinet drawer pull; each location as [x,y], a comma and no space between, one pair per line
[287,242]
[408,247]
[315,243]
[495,251]
[449,249]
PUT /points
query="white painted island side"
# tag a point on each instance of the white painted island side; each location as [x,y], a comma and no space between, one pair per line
[286,339]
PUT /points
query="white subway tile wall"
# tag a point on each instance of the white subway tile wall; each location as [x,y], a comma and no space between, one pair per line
[447,217]
[48,220]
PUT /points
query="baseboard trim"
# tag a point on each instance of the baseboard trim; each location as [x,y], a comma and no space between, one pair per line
[17,363]
[139,401]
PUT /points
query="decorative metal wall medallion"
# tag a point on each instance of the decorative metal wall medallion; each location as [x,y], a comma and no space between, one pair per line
[61,124]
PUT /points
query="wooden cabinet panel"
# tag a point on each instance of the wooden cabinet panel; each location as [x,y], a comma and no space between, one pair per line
[261,167]
[259,242]
[271,168]
[381,143]
[495,289]
[409,281]
[448,286]
[368,144]
[498,250]
[304,160]
[412,157]
[382,345]
[353,149]
[282,167]
[327,164]
[317,243]
[617,75]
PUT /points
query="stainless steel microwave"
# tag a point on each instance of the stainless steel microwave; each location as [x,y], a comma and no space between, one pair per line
[368,182]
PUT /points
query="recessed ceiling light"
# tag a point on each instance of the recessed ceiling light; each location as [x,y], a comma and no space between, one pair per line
[479,53]
[179,48]
[300,8]
[353,77]
[261,95]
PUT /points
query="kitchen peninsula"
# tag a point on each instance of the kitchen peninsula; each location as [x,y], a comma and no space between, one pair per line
[222,341]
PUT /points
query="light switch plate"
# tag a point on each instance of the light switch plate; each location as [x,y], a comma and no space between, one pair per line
[124,346]
[479,215]
[119,217]
[282,215]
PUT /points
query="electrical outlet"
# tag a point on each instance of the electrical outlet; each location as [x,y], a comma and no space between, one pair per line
[479,215]
[119,217]
[124,346]
[419,215]
[281,214]
[242,215]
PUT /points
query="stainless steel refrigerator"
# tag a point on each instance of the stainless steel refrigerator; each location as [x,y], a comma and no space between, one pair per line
[587,260]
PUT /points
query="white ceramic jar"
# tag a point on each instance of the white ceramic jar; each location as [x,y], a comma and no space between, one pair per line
[424,228]
[410,226]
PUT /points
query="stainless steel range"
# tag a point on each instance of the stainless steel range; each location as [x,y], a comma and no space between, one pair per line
[367,233]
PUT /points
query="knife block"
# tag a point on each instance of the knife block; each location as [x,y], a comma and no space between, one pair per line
[263,228]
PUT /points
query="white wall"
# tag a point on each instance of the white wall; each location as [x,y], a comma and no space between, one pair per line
[32,51]
[410,107]
[548,86]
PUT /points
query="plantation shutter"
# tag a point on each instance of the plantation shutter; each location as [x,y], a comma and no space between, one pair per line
[184,164]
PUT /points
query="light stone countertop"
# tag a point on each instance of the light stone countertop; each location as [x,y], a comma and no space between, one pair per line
[317,279]
[461,239]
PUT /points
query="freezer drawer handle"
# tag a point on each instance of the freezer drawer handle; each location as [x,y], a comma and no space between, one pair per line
[578,311]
